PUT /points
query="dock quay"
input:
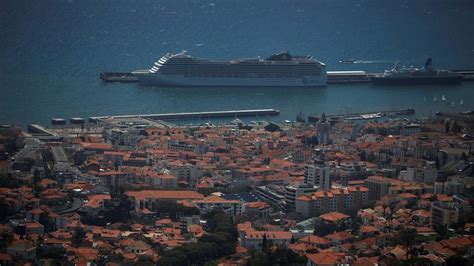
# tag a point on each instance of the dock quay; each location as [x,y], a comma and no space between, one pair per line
[465,116]
[345,77]
[313,118]
[37,129]
[468,75]
[333,77]
[194,115]
[131,121]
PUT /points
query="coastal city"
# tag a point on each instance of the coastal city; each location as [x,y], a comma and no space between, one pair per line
[237,133]
[328,190]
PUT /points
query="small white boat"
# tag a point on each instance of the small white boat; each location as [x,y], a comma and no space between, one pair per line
[236,121]
[347,61]
[443,98]
[462,102]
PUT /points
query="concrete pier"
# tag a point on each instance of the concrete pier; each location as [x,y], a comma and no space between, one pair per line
[37,129]
[312,118]
[333,77]
[468,75]
[195,115]
[346,77]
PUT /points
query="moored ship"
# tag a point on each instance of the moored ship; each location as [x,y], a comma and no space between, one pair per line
[281,69]
[426,75]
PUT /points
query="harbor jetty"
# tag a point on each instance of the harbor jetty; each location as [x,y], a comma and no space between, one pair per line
[195,115]
[312,118]
[333,77]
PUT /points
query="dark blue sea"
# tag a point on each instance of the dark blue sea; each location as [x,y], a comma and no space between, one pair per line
[51,53]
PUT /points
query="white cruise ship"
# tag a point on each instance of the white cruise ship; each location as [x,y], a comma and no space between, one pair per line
[280,69]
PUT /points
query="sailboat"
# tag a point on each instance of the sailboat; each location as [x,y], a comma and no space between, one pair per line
[443,98]
[434,99]
[462,102]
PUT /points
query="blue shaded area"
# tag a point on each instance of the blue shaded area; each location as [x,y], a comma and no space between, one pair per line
[52,52]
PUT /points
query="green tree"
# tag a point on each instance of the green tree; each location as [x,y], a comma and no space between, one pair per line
[415,262]
[265,246]
[457,261]
[5,211]
[219,242]
[407,237]
[322,228]
[442,231]
[78,237]
[280,255]
[371,158]
[6,237]
[118,210]
[7,180]
[257,259]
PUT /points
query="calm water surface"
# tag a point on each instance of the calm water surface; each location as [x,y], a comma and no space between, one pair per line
[52,52]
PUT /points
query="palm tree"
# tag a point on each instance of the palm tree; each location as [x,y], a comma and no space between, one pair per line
[407,236]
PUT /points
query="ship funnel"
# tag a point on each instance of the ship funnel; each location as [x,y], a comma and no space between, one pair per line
[429,64]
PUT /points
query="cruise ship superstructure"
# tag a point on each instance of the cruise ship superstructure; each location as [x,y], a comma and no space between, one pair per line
[281,69]
[426,75]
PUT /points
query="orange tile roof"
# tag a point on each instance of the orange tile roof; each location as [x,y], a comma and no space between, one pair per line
[407,195]
[96,146]
[314,240]
[458,242]
[36,211]
[368,229]
[327,258]
[244,226]
[269,234]
[257,204]
[341,236]
[239,249]
[216,199]
[334,216]
[96,200]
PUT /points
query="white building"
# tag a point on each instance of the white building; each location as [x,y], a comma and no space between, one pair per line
[317,175]
[294,191]
[254,239]
[231,207]
[186,172]
[423,174]
[410,129]
[323,128]
[454,185]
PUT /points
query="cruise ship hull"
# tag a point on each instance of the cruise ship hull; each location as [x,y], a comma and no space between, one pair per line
[416,80]
[181,81]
